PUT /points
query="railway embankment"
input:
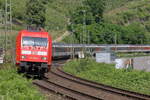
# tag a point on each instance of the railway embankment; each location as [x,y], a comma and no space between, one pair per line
[16,87]
[127,79]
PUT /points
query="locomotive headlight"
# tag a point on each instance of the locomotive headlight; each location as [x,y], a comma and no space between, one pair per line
[23,57]
[44,58]
[42,53]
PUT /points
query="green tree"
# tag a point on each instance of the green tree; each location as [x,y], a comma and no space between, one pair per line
[91,12]
[97,8]
[82,16]
[84,19]
[19,9]
[35,14]
[109,33]
[134,34]
[1,3]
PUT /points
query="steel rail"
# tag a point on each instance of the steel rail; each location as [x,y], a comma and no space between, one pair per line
[70,93]
[114,90]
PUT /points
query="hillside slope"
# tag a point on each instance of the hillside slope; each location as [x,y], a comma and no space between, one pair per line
[57,14]
[120,12]
[133,11]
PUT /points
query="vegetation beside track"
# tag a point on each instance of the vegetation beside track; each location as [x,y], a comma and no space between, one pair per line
[132,54]
[127,79]
[14,87]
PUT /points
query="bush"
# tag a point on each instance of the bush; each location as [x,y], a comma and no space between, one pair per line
[107,33]
[15,87]
[132,80]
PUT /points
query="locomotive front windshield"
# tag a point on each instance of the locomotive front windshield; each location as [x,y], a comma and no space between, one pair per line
[34,41]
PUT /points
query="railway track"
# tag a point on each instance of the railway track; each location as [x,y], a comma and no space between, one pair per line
[63,90]
[81,89]
[58,63]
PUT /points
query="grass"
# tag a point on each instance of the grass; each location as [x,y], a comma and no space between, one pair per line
[127,79]
[113,4]
[14,87]
[56,33]
[138,54]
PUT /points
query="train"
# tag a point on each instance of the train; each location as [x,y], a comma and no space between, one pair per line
[61,47]
[68,50]
[34,52]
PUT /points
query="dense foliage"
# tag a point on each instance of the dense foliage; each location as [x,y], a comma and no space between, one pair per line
[89,20]
[15,87]
[35,13]
[113,4]
[127,79]
[87,29]
[56,15]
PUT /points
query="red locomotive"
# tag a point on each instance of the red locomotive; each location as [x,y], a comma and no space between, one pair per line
[34,52]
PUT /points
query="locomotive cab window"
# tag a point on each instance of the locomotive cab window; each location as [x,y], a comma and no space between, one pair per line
[34,41]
